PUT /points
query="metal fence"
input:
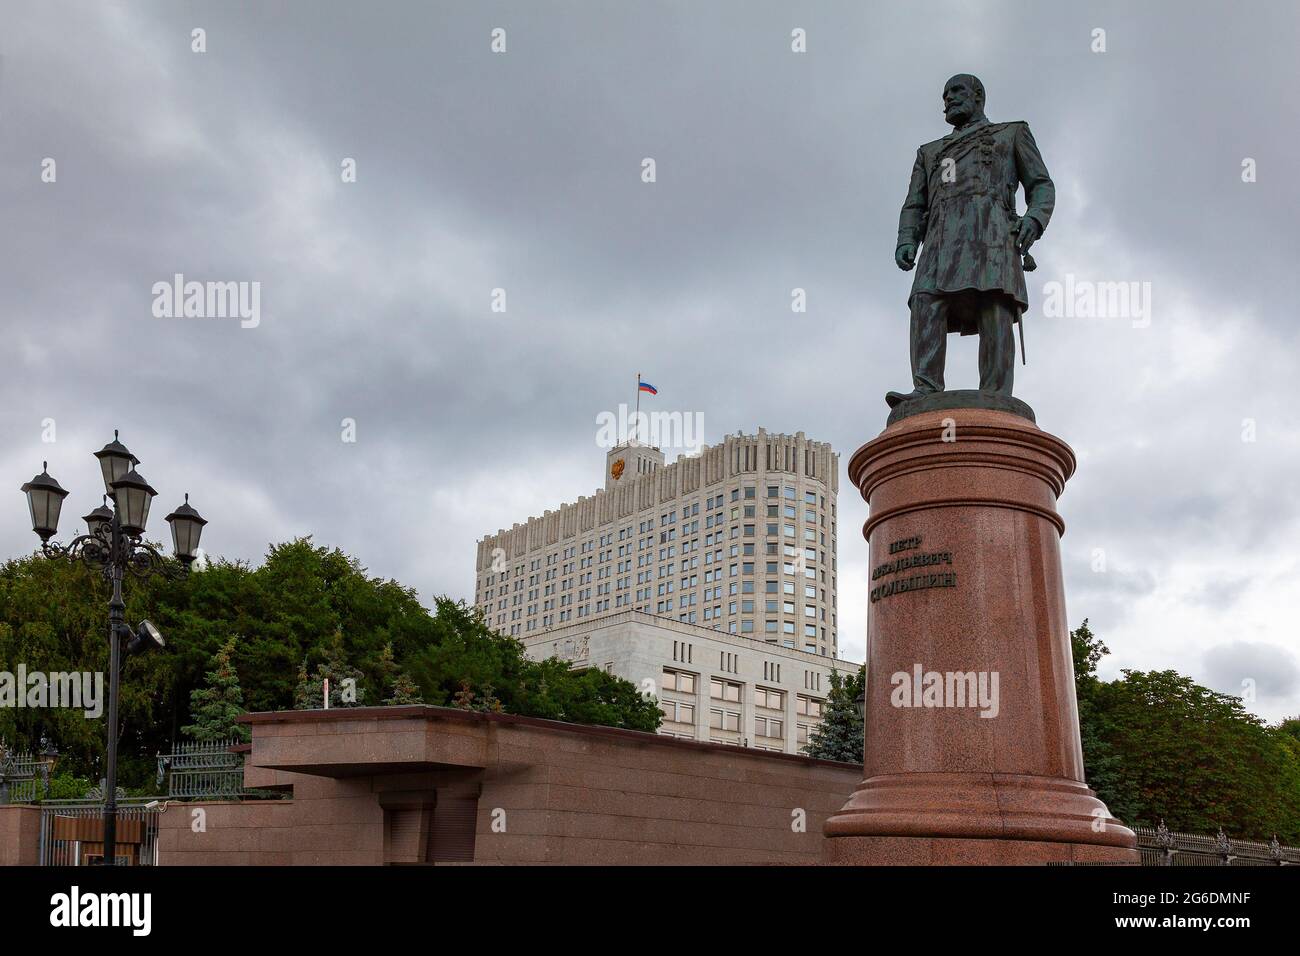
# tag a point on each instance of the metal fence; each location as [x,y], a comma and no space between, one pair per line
[202,769]
[72,833]
[24,778]
[1163,847]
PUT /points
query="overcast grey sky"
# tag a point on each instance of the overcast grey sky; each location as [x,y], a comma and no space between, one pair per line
[775,170]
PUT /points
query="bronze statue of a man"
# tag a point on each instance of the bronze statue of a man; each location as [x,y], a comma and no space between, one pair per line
[961,211]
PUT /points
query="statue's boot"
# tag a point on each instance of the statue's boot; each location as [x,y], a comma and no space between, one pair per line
[894,399]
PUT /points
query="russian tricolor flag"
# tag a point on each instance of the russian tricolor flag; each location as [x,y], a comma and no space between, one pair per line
[647,387]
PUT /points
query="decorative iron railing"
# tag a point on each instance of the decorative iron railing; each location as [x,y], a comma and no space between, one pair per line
[204,768]
[24,778]
[72,832]
[1162,847]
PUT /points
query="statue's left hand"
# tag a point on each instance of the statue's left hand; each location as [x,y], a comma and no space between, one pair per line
[1027,232]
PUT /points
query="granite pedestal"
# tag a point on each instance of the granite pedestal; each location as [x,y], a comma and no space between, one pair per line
[972,728]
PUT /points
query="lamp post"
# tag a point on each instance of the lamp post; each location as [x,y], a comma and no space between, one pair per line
[114,545]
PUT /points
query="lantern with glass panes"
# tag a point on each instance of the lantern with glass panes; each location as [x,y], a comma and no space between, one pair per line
[114,545]
[131,497]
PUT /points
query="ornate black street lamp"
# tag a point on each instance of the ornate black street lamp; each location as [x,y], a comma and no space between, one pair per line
[114,546]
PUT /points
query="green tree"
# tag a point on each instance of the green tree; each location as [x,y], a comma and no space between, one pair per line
[839,736]
[215,706]
[1102,766]
[1290,728]
[345,681]
[401,688]
[1159,746]
[403,691]
[468,665]
[554,690]
[463,650]
[289,610]
[65,786]
[481,702]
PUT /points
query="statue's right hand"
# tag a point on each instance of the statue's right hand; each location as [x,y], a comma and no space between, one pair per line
[905,256]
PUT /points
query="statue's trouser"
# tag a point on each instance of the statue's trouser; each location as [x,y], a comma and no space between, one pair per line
[995,315]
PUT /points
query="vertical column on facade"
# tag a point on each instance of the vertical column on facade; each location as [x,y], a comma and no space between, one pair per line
[791,730]
[747,716]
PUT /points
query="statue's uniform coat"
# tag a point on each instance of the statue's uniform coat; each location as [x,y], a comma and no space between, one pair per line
[964,221]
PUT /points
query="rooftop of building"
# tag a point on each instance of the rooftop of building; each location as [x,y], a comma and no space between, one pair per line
[695,631]
[669,472]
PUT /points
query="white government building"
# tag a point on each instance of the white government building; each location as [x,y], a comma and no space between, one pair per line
[710,582]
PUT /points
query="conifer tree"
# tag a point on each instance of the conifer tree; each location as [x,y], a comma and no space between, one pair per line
[214,707]
[401,688]
[345,681]
[840,734]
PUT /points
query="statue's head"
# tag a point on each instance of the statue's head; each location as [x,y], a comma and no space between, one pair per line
[963,99]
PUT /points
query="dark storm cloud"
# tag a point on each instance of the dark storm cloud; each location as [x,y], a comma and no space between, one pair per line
[521,171]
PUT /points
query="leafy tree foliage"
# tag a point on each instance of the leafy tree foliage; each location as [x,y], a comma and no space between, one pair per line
[345,681]
[64,786]
[840,734]
[481,702]
[401,687]
[1291,727]
[1159,746]
[553,690]
[306,610]
[404,691]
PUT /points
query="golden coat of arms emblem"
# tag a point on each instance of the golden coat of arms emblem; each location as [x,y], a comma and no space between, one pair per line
[616,469]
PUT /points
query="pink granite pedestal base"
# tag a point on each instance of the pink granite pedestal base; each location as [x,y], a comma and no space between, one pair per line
[944,851]
[972,730]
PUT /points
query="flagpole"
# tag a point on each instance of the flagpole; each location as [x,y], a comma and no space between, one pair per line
[636,419]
